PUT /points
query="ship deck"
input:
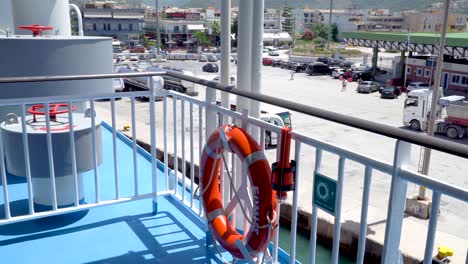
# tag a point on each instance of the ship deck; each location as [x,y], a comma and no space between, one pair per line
[119,233]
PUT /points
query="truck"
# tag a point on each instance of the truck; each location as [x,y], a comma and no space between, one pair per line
[170,83]
[451,113]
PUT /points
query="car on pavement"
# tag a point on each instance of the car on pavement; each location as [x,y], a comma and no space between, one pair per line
[276,63]
[203,58]
[210,67]
[390,92]
[417,85]
[212,58]
[284,64]
[318,68]
[273,53]
[346,64]
[267,61]
[137,49]
[284,47]
[133,58]
[324,60]
[336,62]
[298,67]
[336,73]
[367,87]
[362,76]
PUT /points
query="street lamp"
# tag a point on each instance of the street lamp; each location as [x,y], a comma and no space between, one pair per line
[330,25]
[158,33]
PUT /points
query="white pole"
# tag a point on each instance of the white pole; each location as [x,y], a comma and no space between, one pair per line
[435,97]
[256,60]
[244,51]
[225,49]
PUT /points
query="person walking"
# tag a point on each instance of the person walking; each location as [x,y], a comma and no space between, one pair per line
[343,85]
[292,76]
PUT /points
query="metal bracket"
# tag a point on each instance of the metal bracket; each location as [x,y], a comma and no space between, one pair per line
[11,119]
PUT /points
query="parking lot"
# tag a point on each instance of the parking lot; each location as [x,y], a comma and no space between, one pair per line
[325,92]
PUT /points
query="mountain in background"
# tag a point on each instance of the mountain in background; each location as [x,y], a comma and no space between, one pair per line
[179,3]
[395,5]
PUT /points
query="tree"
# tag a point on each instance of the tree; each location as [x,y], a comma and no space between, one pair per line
[320,42]
[321,30]
[215,32]
[201,37]
[288,23]
[308,34]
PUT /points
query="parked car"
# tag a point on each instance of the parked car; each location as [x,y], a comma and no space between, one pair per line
[273,53]
[417,85]
[367,87]
[362,76]
[267,61]
[276,63]
[390,92]
[210,67]
[120,57]
[336,73]
[137,49]
[134,58]
[346,64]
[317,68]
[232,80]
[202,58]
[117,50]
[336,62]
[284,64]
[212,58]
[324,60]
[298,67]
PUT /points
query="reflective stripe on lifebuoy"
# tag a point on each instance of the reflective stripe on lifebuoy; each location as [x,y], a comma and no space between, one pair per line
[236,140]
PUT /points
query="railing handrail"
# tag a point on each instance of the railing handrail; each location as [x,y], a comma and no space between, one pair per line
[370,126]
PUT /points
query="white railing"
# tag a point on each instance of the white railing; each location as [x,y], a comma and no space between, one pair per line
[184,116]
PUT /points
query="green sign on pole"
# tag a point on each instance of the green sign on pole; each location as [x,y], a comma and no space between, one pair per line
[324,193]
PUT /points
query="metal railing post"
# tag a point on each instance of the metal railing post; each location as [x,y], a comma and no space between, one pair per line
[154,166]
[431,231]
[292,252]
[364,210]
[338,202]
[396,204]
[313,220]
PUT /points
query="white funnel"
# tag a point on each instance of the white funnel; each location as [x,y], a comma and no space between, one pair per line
[6,20]
[55,13]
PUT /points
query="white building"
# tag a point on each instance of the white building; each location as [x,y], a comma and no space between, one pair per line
[345,19]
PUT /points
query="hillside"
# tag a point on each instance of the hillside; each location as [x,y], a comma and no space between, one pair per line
[364,4]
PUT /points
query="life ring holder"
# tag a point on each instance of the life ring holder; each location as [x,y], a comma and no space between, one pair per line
[54,110]
[235,140]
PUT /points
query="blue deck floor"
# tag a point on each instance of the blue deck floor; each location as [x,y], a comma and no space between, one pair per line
[120,233]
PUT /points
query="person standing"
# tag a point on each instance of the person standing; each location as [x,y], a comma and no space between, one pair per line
[292,76]
[343,85]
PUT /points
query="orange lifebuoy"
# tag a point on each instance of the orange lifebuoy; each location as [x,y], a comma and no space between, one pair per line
[235,140]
